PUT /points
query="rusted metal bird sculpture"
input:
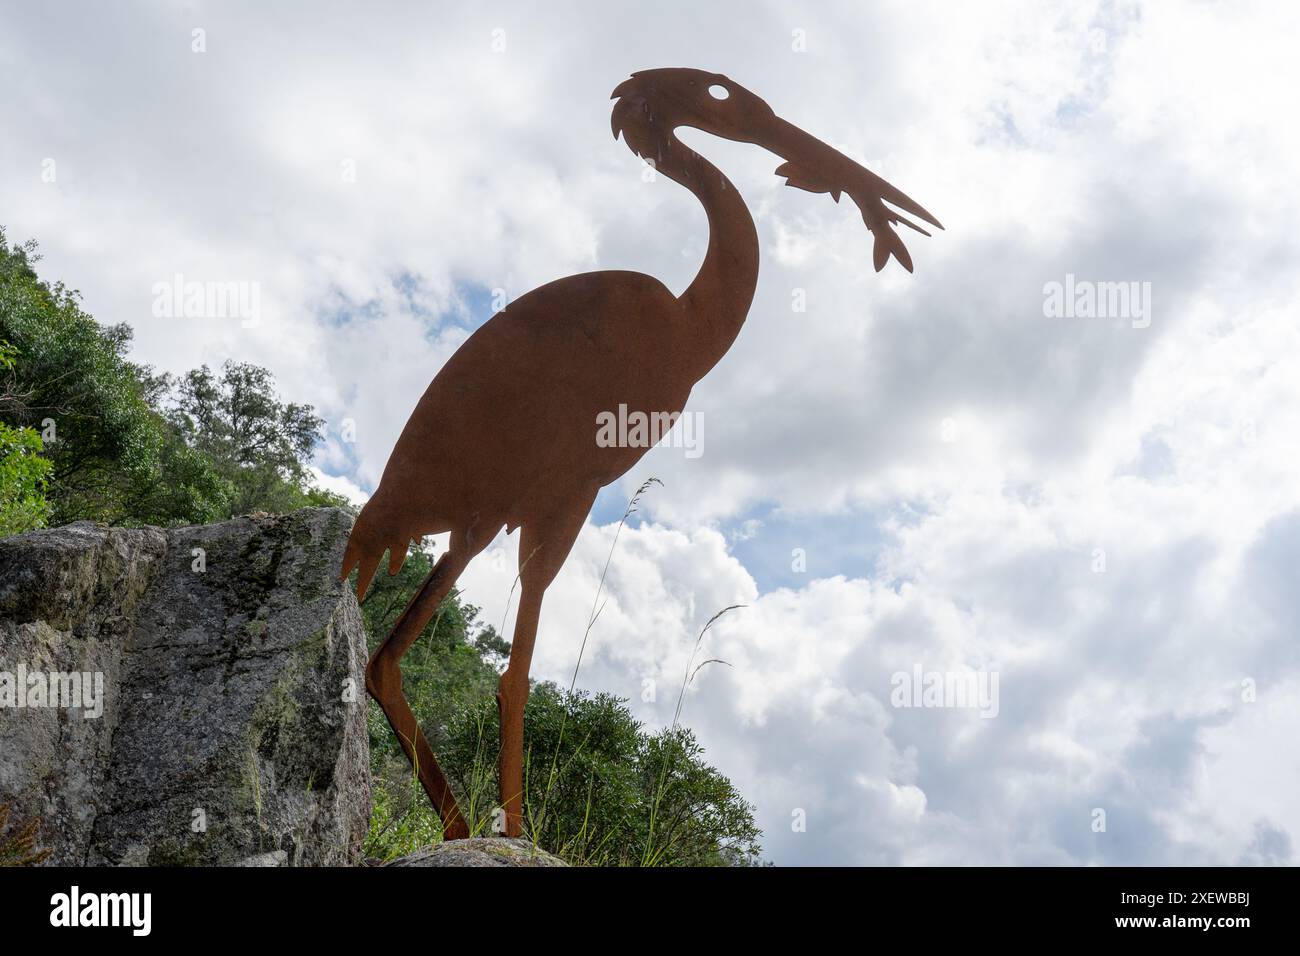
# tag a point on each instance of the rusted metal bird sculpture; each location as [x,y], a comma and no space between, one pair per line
[505,434]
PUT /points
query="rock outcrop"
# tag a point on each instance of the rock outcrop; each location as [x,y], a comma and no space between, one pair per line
[229,724]
[480,851]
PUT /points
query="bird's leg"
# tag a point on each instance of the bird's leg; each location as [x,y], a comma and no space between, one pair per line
[384,682]
[512,699]
[543,546]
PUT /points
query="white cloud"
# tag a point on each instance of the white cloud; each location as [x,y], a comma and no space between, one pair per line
[340,485]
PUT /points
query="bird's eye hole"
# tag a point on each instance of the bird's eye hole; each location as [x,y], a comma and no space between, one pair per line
[718,92]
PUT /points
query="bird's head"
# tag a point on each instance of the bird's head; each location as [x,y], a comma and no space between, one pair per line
[653,103]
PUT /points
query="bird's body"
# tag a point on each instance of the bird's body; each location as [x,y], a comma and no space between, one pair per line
[560,356]
[507,433]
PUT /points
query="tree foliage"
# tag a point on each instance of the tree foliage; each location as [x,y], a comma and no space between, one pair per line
[601,789]
[70,380]
[126,445]
[254,441]
[23,474]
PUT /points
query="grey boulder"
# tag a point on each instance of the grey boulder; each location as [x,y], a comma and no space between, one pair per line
[233,711]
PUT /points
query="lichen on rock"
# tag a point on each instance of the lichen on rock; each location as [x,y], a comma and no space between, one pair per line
[234,721]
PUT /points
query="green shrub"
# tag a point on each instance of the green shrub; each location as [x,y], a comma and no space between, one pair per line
[23,476]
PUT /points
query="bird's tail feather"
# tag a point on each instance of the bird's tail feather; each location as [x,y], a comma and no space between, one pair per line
[371,536]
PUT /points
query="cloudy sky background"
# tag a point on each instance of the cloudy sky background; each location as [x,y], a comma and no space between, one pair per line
[950,460]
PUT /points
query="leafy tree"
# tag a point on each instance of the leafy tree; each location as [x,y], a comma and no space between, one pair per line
[71,381]
[258,444]
[186,488]
[126,445]
[23,470]
[691,814]
[23,473]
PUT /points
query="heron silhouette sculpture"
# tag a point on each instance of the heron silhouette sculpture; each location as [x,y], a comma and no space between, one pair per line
[506,433]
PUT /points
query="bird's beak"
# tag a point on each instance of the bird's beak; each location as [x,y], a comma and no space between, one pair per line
[814,166]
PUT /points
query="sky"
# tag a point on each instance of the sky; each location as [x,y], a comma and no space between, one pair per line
[922,479]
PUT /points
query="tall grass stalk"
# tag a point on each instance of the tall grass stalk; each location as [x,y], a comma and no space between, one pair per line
[651,854]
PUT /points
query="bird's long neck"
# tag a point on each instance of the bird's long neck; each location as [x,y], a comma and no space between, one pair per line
[718,299]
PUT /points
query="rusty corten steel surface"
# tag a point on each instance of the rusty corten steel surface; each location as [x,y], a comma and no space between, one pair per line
[505,434]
